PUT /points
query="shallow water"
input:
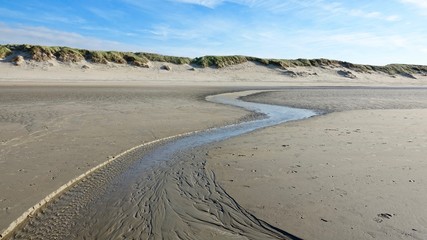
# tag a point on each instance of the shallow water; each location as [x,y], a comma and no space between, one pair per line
[273,115]
[161,192]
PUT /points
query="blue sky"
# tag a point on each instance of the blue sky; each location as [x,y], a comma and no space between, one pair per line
[364,31]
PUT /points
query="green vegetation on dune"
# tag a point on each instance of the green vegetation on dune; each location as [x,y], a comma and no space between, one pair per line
[224,61]
[218,61]
[405,69]
[105,57]
[163,58]
[117,57]
[69,55]
[141,59]
[135,59]
[391,69]
[4,51]
[40,53]
[43,53]
[66,54]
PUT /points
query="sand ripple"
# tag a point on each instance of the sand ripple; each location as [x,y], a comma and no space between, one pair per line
[156,191]
[177,200]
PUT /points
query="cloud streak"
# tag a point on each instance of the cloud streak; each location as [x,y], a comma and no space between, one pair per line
[205,3]
[417,3]
[110,15]
[281,6]
[21,34]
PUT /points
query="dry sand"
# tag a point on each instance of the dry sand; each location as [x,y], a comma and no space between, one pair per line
[356,174]
[247,74]
[53,133]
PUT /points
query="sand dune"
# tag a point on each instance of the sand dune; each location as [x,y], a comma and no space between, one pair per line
[245,74]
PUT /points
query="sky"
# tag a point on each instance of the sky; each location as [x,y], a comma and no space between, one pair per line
[374,32]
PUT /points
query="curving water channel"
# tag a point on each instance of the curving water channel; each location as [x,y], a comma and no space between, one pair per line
[160,191]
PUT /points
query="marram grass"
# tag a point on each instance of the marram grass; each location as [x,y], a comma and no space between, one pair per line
[140,59]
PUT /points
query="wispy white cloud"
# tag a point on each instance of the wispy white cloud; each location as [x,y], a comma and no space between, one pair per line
[358,39]
[418,3]
[45,17]
[319,6]
[20,34]
[323,40]
[61,19]
[372,15]
[207,29]
[111,31]
[270,5]
[11,13]
[339,9]
[110,15]
[205,3]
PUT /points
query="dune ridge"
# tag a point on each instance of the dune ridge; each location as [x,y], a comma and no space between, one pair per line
[20,53]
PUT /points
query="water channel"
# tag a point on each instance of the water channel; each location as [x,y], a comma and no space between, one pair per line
[161,191]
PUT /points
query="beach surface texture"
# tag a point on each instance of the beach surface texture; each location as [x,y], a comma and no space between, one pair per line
[355,171]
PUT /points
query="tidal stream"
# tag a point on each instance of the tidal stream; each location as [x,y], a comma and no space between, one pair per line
[161,191]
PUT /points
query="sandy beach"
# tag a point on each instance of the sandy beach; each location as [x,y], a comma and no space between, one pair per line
[213,120]
[356,172]
[350,174]
[245,74]
[50,135]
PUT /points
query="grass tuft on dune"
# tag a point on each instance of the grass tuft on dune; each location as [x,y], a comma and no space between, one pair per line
[4,51]
[164,58]
[219,61]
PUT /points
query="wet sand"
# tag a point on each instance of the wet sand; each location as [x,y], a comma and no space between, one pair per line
[348,174]
[355,173]
[50,135]
[159,191]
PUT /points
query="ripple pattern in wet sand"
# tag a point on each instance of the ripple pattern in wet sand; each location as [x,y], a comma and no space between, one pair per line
[160,191]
